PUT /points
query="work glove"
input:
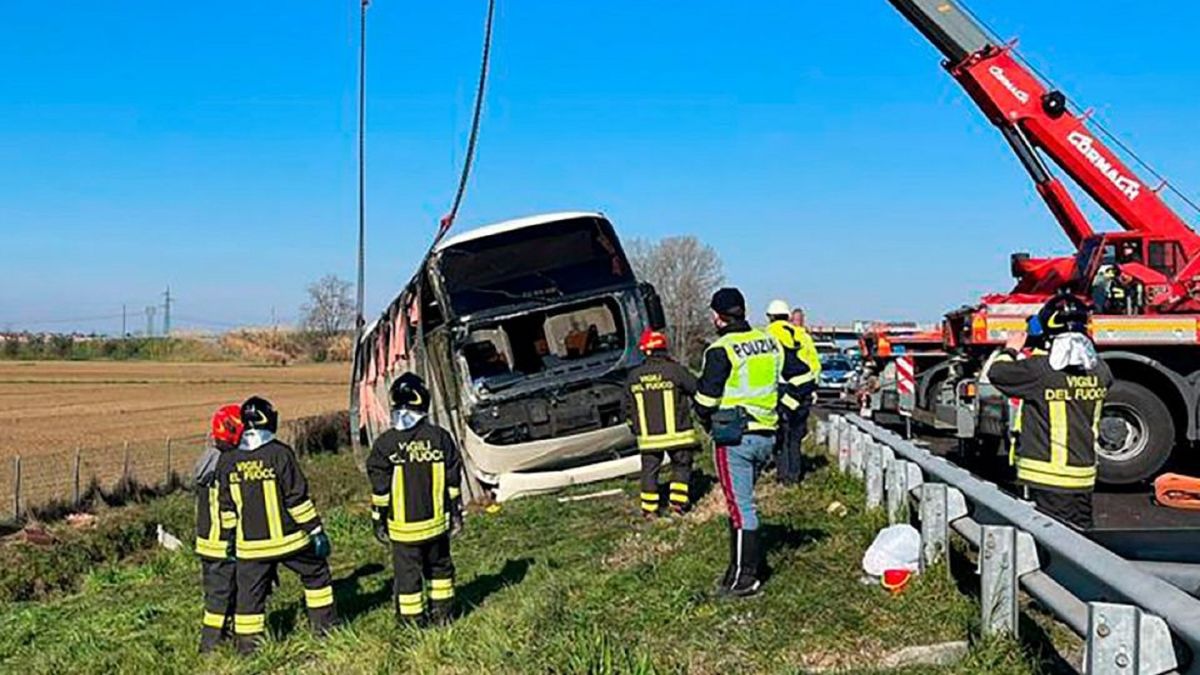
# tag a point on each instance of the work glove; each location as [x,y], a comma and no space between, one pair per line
[379,525]
[320,543]
[231,551]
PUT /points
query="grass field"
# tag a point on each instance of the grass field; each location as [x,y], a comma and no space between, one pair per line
[51,406]
[545,587]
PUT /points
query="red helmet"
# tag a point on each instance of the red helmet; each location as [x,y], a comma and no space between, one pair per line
[227,426]
[652,340]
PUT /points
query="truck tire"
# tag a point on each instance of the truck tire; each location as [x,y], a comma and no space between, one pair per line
[1137,434]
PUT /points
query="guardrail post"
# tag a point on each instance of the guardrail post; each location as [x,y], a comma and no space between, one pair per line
[933,525]
[897,491]
[75,496]
[874,475]
[845,438]
[1124,639]
[998,583]
[857,442]
[17,487]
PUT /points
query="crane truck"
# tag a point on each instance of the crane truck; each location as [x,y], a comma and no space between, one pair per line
[1153,347]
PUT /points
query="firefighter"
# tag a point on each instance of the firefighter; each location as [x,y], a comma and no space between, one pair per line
[217,568]
[657,400]
[801,367]
[1061,385]
[737,401]
[415,471]
[265,506]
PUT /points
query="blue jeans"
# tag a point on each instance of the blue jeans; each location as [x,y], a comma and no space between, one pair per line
[737,467]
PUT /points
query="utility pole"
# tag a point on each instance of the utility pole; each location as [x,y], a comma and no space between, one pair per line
[124,332]
[167,312]
[150,312]
[359,321]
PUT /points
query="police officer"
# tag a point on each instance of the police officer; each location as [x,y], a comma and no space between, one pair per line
[801,367]
[415,471]
[217,568]
[657,400]
[737,400]
[264,500]
[1062,385]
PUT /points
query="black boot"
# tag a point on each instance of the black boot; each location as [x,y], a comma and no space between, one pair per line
[746,580]
[209,638]
[441,612]
[322,620]
[248,644]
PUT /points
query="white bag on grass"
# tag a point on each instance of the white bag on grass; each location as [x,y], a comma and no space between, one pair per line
[897,547]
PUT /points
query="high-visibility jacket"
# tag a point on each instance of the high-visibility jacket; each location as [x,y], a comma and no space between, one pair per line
[1058,421]
[801,364]
[742,369]
[658,402]
[415,476]
[211,540]
[264,500]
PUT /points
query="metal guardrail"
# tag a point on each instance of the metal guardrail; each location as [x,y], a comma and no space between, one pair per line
[1131,621]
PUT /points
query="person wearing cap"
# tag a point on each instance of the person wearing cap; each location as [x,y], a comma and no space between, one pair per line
[218,569]
[737,401]
[801,367]
[1061,384]
[657,404]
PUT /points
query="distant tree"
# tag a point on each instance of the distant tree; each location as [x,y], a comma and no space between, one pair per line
[329,310]
[686,272]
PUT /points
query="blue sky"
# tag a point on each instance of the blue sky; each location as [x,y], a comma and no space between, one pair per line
[210,146]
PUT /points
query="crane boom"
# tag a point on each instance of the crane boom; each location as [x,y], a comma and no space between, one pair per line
[1032,117]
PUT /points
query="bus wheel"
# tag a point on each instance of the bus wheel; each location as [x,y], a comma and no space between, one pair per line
[1137,434]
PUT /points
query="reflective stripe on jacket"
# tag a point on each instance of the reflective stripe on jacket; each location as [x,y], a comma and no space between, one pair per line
[264,500]
[415,478]
[657,402]
[799,372]
[1059,419]
[742,369]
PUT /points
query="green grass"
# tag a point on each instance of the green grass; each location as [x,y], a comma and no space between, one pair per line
[546,587]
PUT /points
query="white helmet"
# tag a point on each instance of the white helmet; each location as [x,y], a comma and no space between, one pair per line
[778,308]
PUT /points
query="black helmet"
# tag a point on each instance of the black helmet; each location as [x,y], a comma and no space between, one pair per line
[1064,313]
[258,413]
[408,391]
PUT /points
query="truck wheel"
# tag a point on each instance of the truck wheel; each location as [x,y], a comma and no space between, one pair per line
[1137,434]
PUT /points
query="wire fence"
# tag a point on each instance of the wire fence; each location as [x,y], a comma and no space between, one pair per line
[34,484]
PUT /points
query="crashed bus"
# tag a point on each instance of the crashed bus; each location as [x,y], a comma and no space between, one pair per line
[524,332]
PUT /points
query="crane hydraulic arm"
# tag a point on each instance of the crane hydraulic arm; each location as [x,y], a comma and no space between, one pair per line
[1030,115]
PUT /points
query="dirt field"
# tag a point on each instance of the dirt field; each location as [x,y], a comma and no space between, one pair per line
[52,406]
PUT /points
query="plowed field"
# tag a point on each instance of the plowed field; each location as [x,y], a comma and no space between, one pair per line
[51,406]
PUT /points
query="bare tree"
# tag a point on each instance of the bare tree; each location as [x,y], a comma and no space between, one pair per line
[686,272]
[329,309]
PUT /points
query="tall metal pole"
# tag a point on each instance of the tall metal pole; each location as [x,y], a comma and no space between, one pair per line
[359,321]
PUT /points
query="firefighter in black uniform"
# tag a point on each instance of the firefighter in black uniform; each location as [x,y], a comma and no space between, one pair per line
[264,500]
[658,401]
[416,471]
[217,567]
[1062,386]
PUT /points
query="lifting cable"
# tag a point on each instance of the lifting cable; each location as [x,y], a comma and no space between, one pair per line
[447,220]
[1079,110]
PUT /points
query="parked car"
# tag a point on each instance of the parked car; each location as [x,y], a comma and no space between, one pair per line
[837,375]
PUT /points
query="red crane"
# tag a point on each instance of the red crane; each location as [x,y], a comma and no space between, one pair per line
[1158,248]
